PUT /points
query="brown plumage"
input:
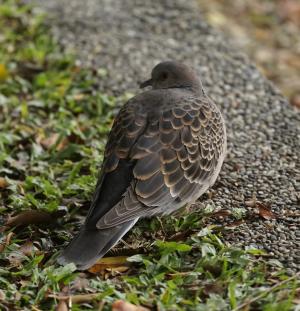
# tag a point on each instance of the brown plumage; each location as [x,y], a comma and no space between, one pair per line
[165,149]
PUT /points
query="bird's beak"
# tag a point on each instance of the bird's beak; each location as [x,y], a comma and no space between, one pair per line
[146,83]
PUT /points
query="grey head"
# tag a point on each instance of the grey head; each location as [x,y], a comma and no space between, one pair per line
[171,74]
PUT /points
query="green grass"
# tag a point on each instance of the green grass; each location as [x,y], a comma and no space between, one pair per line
[53,126]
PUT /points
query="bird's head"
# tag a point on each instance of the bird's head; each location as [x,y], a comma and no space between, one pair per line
[171,74]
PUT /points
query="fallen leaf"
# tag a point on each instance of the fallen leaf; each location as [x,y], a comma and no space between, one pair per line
[121,305]
[213,288]
[77,298]
[79,96]
[62,306]
[111,264]
[51,141]
[27,248]
[289,10]
[29,70]
[2,295]
[119,269]
[261,34]
[3,72]
[237,167]
[251,203]
[6,242]
[292,214]
[15,258]
[80,283]
[216,19]
[3,183]
[178,236]
[269,226]
[221,213]
[265,211]
[24,283]
[2,247]
[210,194]
[295,100]
[235,224]
[30,217]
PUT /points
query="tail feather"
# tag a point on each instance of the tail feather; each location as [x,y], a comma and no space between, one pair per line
[89,245]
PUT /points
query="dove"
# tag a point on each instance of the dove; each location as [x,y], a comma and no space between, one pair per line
[165,149]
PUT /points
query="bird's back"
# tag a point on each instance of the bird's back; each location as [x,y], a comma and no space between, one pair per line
[165,149]
[176,140]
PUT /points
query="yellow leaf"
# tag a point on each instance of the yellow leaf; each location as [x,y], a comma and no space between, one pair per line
[109,261]
[121,305]
[119,269]
[3,72]
[3,182]
[216,19]
[24,110]
[115,264]
[79,97]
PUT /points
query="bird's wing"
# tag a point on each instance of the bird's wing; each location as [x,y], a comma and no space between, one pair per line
[174,157]
[116,172]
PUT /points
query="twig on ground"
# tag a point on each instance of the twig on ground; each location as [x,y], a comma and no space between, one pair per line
[250,301]
[77,298]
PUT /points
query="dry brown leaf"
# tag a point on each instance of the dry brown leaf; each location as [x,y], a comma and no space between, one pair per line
[77,298]
[6,242]
[52,140]
[3,183]
[28,70]
[265,211]
[210,194]
[251,203]
[2,295]
[115,264]
[235,224]
[121,305]
[289,10]
[15,258]
[80,283]
[221,213]
[213,288]
[62,306]
[29,217]
[295,100]
[261,34]
[73,138]
[2,247]
[24,283]
[49,142]
[27,248]
[292,214]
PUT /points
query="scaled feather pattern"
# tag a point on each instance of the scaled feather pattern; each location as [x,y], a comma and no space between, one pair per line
[165,149]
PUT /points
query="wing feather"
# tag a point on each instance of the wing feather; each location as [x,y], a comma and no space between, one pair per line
[175,155]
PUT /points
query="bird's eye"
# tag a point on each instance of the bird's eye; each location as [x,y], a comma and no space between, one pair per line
[164,76]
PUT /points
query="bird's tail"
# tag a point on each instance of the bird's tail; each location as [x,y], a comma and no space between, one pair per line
[91,244]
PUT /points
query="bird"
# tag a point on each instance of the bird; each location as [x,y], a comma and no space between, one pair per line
[165,149]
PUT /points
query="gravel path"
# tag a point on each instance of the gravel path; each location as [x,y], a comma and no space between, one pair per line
[129,37]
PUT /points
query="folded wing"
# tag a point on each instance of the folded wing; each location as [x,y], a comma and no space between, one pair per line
[171,159]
